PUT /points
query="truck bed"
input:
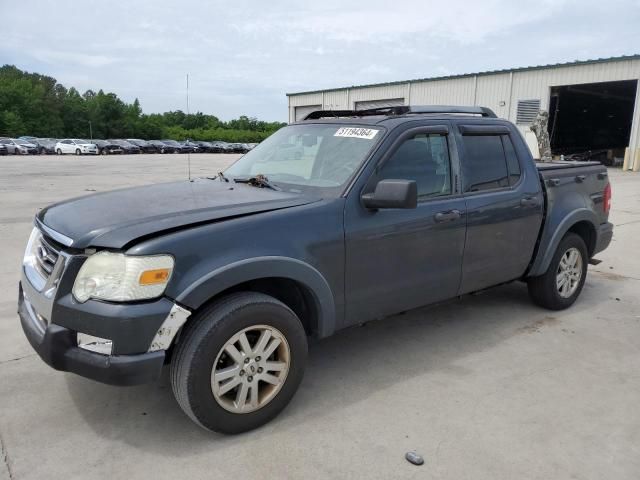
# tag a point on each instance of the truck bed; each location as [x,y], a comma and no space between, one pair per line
[571,187]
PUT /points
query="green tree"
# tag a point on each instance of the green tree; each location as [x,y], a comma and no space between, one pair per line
[35,104]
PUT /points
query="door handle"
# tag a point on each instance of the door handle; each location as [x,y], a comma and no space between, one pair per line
[529,202]
[448,216]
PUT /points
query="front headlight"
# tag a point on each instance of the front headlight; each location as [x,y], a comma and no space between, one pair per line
[122,278]
[32,248]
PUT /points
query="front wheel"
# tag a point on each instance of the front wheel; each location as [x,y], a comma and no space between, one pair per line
[58,152]
[559,287]
[78,152]
[239,362]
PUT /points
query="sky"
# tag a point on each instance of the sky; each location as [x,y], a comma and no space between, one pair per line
[243,56]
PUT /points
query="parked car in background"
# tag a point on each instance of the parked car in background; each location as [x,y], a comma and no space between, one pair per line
[220,147]
[3,149]
[46,145]
[177,147]
[193,147]
[76,146]
[145,146]
[205,147]
[43,145]
[126,146]
[19,147]
[251,146]
[108,148]
[238,148]
[162,146]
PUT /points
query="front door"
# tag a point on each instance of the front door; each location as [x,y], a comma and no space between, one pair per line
[399,259]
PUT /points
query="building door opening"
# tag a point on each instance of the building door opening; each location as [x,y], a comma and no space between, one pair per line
[592,121]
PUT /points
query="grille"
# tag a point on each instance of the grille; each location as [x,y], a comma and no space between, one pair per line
[527,111]
[46,256]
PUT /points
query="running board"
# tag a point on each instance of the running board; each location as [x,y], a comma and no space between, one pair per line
[595,261]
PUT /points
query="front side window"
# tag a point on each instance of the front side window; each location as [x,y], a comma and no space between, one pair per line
[484,166]
[425,159]
[316,157]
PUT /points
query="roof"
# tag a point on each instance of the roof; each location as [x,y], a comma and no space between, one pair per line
[488,72]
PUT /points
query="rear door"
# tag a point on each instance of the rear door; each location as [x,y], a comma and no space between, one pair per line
[399,259]
[504,205]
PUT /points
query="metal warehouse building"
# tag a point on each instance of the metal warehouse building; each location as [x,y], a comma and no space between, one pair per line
[593,105]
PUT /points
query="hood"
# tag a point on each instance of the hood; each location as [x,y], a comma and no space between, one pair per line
[27,144]
[115,219]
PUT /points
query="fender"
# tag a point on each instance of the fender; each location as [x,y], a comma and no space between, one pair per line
[262,267]
[549,243]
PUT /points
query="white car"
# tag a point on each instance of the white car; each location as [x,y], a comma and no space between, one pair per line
[76,146]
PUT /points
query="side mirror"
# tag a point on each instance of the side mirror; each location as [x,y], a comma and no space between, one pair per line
[392,194]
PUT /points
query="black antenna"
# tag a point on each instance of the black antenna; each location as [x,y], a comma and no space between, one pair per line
[188,151]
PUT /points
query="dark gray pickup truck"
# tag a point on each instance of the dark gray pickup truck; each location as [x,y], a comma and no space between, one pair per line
[340,219]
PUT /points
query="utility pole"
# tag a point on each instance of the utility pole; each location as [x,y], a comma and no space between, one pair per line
[90,131]
[188,151]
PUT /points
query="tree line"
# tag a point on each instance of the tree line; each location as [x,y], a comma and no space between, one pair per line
[37,105]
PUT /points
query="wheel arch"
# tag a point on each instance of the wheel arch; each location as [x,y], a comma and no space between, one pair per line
[582,222]
[297,284]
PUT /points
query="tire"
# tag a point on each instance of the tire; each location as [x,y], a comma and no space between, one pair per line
[202,345]
[545,289]
[58,152]
[42,151]
[78,152]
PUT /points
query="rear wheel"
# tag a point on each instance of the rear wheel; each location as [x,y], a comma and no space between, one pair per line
[562,283]
[239,362]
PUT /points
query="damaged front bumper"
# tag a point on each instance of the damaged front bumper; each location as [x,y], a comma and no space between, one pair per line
[58,347]
[113,343]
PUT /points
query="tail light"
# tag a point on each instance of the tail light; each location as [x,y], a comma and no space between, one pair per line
[607,198]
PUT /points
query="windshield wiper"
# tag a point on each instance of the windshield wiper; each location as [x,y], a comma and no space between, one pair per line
[259,181]
[222,177]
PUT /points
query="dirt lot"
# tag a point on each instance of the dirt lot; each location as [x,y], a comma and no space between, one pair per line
[487,387]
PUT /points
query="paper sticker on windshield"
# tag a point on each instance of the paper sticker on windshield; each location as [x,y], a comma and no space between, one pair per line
[356,132]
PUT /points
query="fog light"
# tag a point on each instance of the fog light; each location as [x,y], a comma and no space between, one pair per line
[95,344]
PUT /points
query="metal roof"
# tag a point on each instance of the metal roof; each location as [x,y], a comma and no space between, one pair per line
[488,72]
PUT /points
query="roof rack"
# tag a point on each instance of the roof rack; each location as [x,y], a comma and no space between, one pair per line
[401,110]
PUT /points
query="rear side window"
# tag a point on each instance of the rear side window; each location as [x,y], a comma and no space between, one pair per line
[485,166]
[512,160]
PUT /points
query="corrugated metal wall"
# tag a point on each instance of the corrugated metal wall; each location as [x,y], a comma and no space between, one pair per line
[498,91]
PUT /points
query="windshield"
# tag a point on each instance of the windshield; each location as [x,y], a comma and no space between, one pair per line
[320,157]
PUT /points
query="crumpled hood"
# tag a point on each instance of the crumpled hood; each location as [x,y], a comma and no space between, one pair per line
[114,219]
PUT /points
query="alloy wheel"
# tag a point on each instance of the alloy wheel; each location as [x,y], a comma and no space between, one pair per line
[250,369]
[569,273]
